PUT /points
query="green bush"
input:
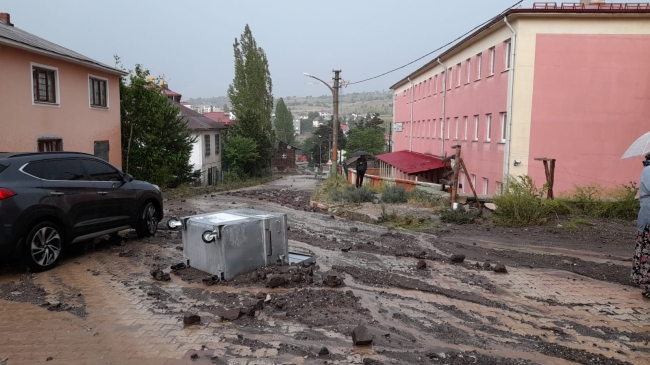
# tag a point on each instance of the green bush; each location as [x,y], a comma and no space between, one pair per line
[394,194]
[592,202]
[458,216]
[424,199]
[521,204]
[357,195]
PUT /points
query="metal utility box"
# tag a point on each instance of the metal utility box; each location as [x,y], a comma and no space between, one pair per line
[233,242]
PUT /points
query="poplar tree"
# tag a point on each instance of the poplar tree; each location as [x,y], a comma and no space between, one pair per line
[284,123]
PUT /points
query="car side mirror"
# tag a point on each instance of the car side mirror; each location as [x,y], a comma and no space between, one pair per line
[128,178]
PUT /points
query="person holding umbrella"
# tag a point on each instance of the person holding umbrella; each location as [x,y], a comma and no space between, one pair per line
[362,166]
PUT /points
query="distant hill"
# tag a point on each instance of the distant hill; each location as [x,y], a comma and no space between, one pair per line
[361,103]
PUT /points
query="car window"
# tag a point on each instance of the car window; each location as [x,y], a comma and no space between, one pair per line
[65,170]
[99,171]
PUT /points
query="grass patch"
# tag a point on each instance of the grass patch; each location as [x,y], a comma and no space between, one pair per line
[231,183]
[458,216]
[390,218]
[523,204]
[576,223]
[424,199]
[337,190]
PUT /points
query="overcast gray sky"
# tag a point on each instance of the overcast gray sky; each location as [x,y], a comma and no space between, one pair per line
[190,41]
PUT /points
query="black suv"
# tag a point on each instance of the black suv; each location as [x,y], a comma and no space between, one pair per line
[51,199]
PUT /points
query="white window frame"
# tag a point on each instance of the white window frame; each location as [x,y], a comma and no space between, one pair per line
[457,128]
[466,125]
[493,52]
[90,98]
[504,126]
[474,181]
[486,186]
[459,74]
[479,63]
[435,84]
[508,50]
[477,120]
[442,128]
[469,70]
[435,125]
[57,103]
[448,121]
[489,127]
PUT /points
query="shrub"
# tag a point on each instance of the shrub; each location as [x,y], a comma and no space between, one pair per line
[458,216]
[595,202]
[521,203]
[394,194]
[357,196]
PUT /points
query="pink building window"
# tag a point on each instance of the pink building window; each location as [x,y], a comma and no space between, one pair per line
[504,126]
[489,128]
[466,122]
[448,128]
[458,68]
[468,68]
[456,135]
[451,78]
[492,58]
[508,51]
[476,122]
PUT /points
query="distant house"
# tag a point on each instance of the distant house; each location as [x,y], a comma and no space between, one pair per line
[55,99]
[219,117]
[285,157]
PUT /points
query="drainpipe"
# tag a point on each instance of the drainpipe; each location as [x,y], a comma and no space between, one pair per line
[511,81]
[411,132]
[444,100]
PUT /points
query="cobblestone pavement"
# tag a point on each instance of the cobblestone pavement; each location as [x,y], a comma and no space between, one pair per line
[110,310]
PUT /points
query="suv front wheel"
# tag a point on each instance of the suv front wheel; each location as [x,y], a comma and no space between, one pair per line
[147,221]
[43,246]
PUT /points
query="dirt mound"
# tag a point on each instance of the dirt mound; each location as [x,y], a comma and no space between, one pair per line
[296,199]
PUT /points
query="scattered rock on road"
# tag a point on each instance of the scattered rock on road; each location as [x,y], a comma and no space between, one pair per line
[323,352]
[421,265]
[361,336]
[160,275]
[276,280]
[231,315]
[190,319]
[457,258]
[332,279]
[486,265]
[500,268]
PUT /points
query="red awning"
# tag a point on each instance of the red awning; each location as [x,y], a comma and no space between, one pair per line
[412,162]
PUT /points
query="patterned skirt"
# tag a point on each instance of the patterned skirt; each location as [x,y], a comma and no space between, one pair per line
[641,263]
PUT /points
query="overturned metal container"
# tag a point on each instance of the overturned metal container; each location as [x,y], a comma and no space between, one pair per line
[233,242]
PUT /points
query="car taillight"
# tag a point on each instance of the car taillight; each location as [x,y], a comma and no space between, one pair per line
[6,193]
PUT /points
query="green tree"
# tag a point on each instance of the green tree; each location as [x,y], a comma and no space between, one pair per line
[370,140]
[251,99]
[322,139]
[306,126]
[283,123]
[156,144]
[240,153]
[313,115]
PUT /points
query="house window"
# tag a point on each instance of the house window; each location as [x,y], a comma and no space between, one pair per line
[508,58]
[499,188]
[489,128]
[463,182]
[435,84]
[97,92]
[50,144]
[435,125]
[430,86]
[451,78]
[207,144]
[492,55]
[44,83]
[456,135]
[476,121]
[466,123]
[468,67]
[486,186]
[425,88]
[458,67]
[479,61]
[217,144]
[442,128]
[474,181]
[504,120]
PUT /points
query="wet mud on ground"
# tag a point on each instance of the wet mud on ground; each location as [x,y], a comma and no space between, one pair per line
[105,305]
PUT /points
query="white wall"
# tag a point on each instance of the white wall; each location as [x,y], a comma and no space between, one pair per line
[196,158]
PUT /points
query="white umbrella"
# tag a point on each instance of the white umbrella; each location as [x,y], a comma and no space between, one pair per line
[640,147]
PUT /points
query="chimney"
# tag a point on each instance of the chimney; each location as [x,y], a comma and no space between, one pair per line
[6,18]
[590,2]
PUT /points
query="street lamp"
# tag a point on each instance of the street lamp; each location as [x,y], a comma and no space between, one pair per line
[335,124]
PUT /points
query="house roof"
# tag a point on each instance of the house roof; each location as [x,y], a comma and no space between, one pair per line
[16,37]
[225,117]
[196,120]
[169,92]
[538,9]
[412,162]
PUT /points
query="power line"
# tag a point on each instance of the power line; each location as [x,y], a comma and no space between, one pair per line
[435,50]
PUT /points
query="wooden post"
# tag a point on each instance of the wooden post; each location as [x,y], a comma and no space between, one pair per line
[550,174]
[454,186]
[469,181]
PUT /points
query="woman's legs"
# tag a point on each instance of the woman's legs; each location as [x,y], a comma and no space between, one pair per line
[360,178]
[641,263]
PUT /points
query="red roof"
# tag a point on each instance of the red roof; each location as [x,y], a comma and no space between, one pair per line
[216,116]
[344,127]
[412,162]
[170,93]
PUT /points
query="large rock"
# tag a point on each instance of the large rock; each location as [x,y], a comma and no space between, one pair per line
[500,268]
[421,265]
[490,206]
[323,352]
[361,336]
[276,280]
[332,279]
[160,275]
[457,258]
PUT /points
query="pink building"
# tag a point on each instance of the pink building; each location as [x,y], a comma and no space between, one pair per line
[55,99]
[567,81]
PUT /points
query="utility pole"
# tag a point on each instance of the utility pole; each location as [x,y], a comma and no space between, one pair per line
[454,186]
[335,126]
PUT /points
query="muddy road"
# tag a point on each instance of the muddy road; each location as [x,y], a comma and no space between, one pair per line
[558,303]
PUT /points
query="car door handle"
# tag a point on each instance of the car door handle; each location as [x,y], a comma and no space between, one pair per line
[56,193]
[102,192]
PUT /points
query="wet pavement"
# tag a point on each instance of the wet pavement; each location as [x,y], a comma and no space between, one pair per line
[101,305]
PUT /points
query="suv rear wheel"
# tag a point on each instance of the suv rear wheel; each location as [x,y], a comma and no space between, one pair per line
[148,221]
[43,246]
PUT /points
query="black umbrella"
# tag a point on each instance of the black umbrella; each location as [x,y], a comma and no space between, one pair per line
[360,153]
